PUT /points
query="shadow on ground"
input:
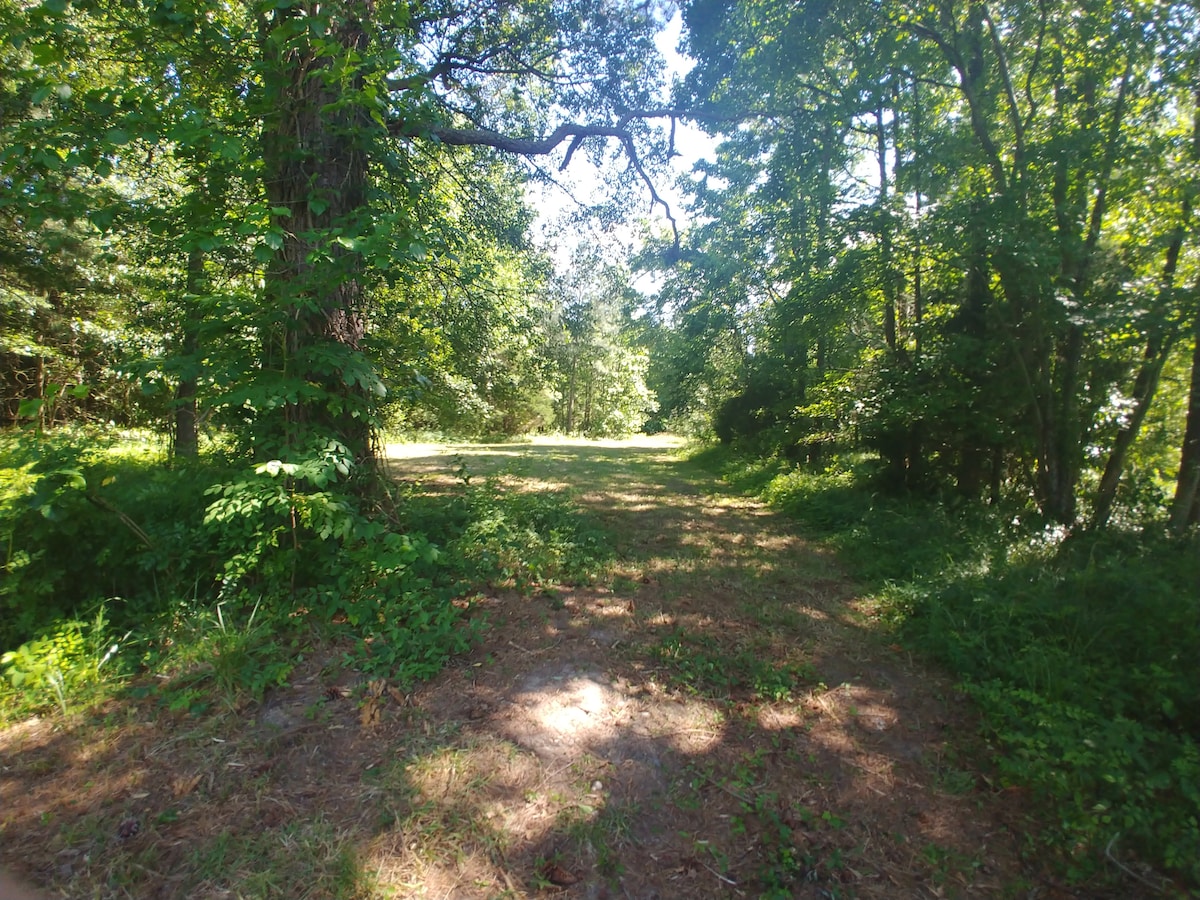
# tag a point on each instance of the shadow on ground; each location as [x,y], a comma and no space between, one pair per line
[715,717]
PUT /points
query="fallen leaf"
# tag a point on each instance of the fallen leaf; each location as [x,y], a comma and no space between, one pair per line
[557,875]
[182,785]
[370,713]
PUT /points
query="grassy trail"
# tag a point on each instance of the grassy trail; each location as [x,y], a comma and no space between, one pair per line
[713,715]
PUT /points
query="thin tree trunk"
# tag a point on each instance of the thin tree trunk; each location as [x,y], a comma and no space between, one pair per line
[1077,270]
[918,299]
[885,236]
[571,396]
[1185,508]
[187,438]
[587,401]
[1158,348]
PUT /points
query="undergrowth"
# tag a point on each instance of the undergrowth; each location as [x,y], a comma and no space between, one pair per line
[700,665]
[219,577]
[1080,651]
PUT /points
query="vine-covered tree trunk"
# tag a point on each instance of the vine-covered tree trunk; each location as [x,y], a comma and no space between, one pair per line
[315,174]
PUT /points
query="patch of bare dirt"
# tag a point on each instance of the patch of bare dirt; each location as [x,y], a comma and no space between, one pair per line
[567,756]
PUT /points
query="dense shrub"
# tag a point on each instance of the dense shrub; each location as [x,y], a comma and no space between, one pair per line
[218,573]
[87,519]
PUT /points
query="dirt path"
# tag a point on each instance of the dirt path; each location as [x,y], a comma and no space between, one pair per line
[714,718]
[617,732]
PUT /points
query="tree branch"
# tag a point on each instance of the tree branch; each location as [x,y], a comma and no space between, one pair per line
[482,137]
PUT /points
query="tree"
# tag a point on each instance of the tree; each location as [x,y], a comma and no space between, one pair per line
[463,340]
[601,372]
[1017,222]
[311,114]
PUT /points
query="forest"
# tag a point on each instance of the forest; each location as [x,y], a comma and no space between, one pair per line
[934,297]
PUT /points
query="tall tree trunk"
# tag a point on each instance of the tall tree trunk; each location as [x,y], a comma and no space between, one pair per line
[1162,337]
[975,371]
[571,395]
[1185,508]
[1158,347]
[315,173]
[883,214]
[918,300]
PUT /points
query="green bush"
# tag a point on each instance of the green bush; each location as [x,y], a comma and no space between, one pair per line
[1111,780]
[525,539]
[63,663]
[85,518]
[220,571]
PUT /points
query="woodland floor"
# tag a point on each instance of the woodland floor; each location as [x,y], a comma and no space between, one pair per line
[571,754]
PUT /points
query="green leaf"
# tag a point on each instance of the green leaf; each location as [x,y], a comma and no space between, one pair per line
[56,7]
[41,94]
[118,137]
[102,218]
[74,478]
[317,206]
[29,408]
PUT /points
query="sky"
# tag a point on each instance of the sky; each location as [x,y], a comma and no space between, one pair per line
[583,182]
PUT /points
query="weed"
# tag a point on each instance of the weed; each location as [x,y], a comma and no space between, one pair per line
[67,662]
[309,860]
[698,664]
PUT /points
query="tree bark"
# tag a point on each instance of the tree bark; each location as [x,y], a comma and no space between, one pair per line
[886,273]
[571,395]
[1158,348]
[315,172]
[1185,508]
[187,438]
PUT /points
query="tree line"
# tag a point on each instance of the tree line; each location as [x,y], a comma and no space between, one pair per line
[282,219]
[958,233]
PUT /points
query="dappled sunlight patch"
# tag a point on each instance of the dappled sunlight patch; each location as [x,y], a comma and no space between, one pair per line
[455,813]
[630,502]
[778,716]
[637,441]
[558,711]
[415,450]
[811,612]
[421,865]
[534,485]
[28,733]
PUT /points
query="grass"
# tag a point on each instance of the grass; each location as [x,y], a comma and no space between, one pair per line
[642,711]
[1080,653]
[699,664]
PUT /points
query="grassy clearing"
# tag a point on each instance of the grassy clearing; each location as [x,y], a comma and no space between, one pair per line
[1081,653]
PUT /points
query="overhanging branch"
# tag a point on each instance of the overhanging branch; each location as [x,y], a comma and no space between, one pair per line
[574,133]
